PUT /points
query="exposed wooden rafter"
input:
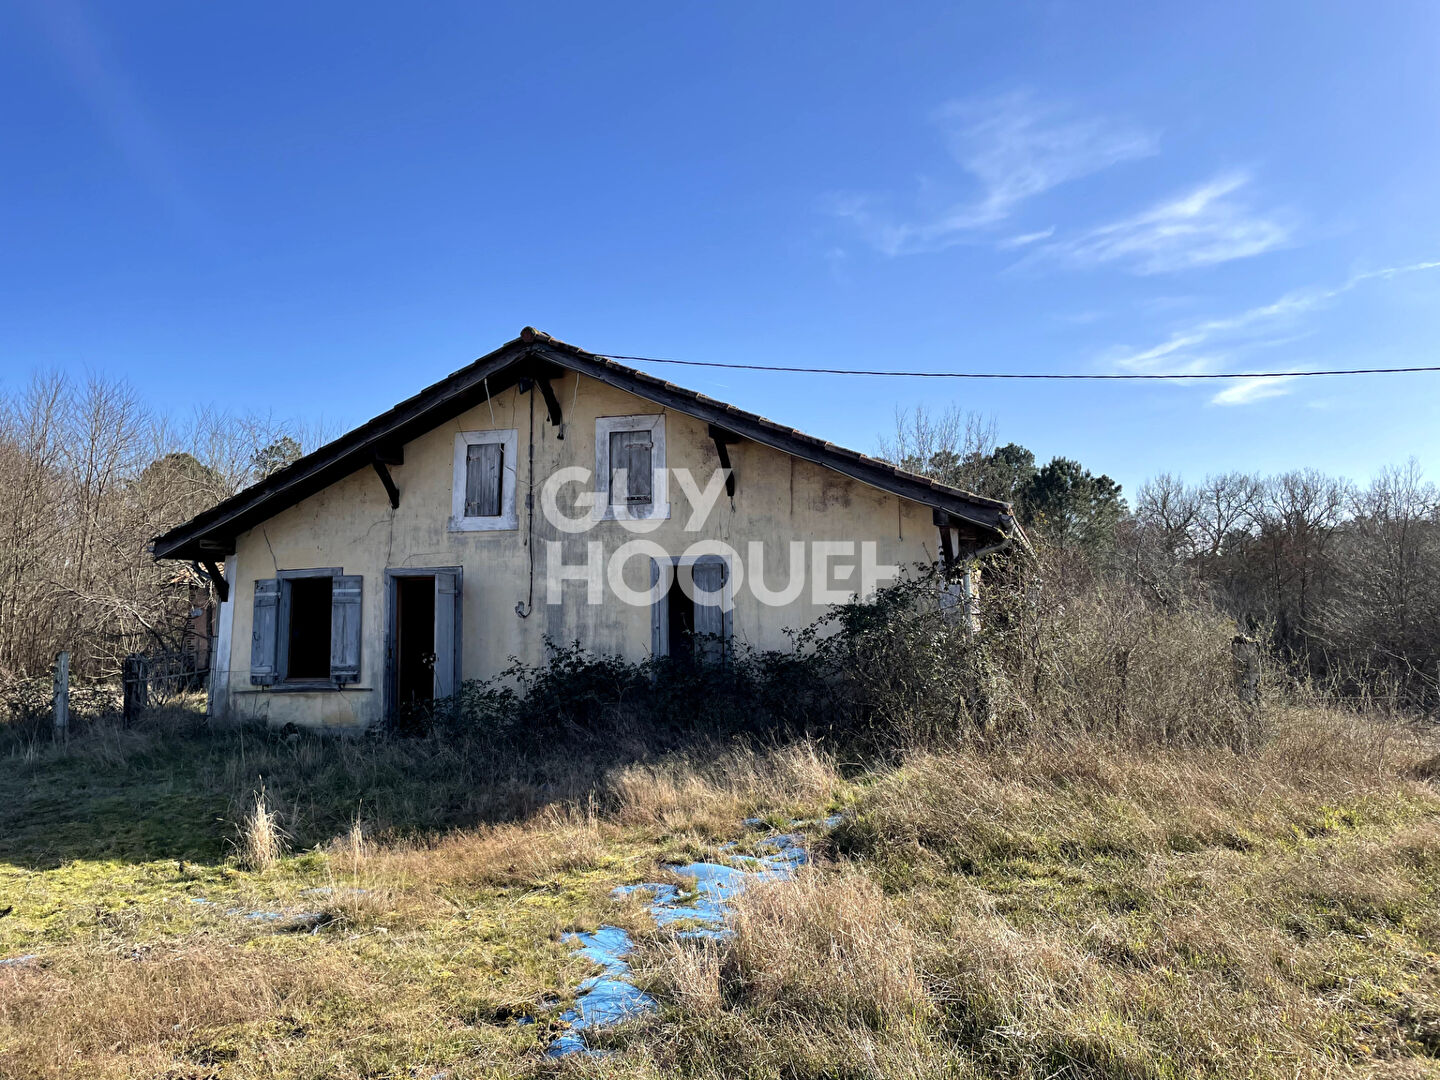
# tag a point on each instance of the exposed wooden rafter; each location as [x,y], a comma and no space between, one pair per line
[385,456]
[383,471]
[217,578]
[723,441]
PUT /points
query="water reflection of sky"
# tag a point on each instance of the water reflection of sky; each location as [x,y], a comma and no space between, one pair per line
[699,911]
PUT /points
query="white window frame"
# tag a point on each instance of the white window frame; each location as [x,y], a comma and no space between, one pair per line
[508,518]
[605,426]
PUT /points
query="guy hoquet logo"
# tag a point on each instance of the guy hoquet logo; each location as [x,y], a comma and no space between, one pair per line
[819,565]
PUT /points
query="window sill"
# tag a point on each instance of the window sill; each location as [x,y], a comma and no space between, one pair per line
[303,688]
[659,512]
[504,523]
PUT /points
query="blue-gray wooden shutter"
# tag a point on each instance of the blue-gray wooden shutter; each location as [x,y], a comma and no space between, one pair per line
[659,615]
[631,451]
[447,634]
[484,473]
[712,621]
[264,624]
[345,630]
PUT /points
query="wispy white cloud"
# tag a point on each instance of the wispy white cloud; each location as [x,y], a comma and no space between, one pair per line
[1012,148]
[1227,343]
[1210,224]
[1025,239]
[1249,391]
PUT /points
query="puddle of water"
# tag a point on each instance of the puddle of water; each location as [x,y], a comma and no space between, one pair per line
[602,999]
[610,997]
[20,961]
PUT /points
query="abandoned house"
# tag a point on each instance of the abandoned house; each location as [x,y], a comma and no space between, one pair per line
[545,492]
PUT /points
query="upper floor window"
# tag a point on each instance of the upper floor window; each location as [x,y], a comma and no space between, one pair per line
[630,467]
[484,486]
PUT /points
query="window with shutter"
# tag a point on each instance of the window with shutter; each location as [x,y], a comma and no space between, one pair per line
[484,484]
[630,477]
[631,472]
[484,467]
[306,629]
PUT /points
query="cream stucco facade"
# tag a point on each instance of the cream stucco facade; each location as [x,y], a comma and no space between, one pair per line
[779,500]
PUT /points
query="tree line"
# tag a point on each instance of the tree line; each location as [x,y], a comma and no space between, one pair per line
[90,473]
[1341,581]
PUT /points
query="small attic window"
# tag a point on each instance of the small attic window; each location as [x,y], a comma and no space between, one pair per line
[484,483]
[630,477]
[484,469]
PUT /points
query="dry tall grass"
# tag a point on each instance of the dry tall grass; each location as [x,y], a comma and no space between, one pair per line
[261,842]
[1091,909]
[1078,904]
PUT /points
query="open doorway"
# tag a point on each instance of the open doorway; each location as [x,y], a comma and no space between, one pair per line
[690,622]
[680,620]
[414,645]
[422,644]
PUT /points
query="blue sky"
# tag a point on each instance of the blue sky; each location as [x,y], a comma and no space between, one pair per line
[319,208]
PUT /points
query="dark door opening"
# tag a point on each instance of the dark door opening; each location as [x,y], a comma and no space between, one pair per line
[680,609]
[414,647]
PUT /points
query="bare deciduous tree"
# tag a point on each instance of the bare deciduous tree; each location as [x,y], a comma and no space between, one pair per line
[90,475]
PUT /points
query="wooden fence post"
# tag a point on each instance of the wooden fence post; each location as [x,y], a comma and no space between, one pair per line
[135,683]
[62,694]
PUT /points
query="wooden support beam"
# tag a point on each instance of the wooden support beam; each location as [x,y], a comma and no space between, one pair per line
[723,441]
[967,538]
[383,471]
[947,551]
[390,454]
[217,578]
[551,402]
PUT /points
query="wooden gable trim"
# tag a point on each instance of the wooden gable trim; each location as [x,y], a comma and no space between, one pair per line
[535,355]
[213,532]
[986,513]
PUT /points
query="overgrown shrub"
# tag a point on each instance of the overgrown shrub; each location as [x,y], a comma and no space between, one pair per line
[1082,648]
[1061,647]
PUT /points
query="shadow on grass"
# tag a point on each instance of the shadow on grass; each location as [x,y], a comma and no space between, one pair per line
[172,787]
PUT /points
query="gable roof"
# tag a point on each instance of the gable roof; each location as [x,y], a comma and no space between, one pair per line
[537,355]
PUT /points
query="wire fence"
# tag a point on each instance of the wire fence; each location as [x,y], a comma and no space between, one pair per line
[145,680]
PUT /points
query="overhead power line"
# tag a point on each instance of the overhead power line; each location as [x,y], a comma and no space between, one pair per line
[1127,376]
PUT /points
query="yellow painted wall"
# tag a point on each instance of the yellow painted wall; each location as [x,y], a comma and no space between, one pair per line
[351,525]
